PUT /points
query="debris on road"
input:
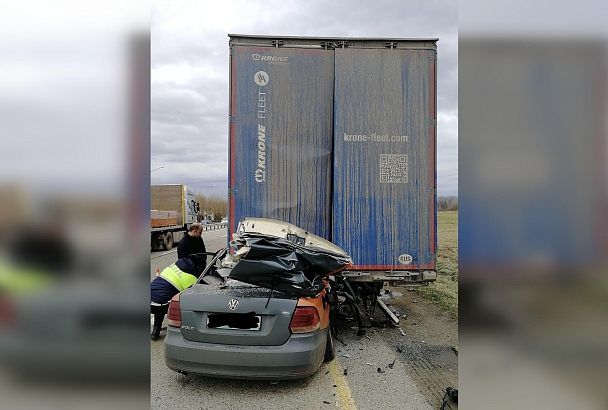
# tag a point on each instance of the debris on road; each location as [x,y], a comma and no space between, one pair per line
[450,394]
[326,402]
[391,365]
[415,301]
[402,332]
[346,355]
[370,364]
[387,311]
[389,294]
[455,349]
[369,337]
[345,372]
[380,370]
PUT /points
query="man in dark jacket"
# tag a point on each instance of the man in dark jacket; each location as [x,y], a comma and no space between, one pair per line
[192,242]
[172,280]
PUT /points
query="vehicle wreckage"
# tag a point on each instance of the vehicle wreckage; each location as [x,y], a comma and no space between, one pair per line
[265,307]
[281,256]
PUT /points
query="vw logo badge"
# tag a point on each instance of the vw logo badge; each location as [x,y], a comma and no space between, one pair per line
[233,304]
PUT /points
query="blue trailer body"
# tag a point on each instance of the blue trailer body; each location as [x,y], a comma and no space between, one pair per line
[281,136]
[346,132]
[384,158]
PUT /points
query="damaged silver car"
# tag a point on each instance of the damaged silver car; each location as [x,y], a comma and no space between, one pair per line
[261,309]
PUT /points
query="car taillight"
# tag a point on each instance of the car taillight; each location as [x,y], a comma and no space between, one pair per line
[174,317]
[305,319]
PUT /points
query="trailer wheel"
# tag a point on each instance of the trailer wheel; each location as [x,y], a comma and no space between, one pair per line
[168,240]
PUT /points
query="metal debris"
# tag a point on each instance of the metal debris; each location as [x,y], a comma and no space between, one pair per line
[387,311]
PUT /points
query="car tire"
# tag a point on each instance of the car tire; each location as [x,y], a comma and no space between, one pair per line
[330,348]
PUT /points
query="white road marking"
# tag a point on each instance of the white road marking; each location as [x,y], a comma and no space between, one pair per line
[158,255]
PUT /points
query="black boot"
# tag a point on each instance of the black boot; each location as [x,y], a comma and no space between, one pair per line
[155,331]
[159,315]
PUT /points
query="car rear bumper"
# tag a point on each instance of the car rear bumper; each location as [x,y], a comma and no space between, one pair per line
[299,357]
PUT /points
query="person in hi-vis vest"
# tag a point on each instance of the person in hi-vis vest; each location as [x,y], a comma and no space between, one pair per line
[172,280]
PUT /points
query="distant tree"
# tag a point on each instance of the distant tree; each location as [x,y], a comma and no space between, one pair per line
[447,203]
[210,205]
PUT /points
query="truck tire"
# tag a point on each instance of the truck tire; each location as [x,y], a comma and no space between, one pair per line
[330,348]
[157,242]
[168,240]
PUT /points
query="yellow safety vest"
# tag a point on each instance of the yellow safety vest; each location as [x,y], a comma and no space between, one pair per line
[178,278]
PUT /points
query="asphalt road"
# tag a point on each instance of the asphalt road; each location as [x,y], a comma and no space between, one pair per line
[364,387]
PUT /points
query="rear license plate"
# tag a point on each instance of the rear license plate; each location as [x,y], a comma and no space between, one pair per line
[234,321]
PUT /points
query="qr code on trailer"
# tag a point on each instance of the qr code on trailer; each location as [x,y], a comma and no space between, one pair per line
[393,168]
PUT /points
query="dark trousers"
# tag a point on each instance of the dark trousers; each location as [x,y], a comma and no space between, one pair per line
[159,313]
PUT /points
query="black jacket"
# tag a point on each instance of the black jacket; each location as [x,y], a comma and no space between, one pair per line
[189,245]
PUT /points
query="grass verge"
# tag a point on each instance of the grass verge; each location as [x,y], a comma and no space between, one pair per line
[444,292]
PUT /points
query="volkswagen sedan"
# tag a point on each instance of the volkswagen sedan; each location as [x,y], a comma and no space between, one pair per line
[261,311]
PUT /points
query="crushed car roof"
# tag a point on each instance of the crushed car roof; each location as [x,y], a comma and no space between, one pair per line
[281,256]
[280,229]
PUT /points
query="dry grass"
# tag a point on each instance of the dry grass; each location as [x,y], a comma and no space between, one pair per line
[444,292]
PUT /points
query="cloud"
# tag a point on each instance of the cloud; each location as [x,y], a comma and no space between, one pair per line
[190,72]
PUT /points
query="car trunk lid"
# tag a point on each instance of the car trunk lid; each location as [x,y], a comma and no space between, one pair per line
[236,315]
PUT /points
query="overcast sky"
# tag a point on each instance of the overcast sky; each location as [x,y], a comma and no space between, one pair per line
[190,73]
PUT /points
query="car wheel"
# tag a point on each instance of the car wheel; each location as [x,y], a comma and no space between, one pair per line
[330,348]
